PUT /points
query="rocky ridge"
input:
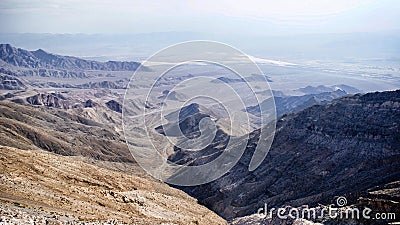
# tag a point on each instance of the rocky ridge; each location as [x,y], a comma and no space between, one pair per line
[341,148]
[42,59]
[23,63]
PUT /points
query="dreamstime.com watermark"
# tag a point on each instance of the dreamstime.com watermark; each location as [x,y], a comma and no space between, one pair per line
[327,212]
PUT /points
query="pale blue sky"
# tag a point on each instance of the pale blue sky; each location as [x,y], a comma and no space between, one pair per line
[222,16]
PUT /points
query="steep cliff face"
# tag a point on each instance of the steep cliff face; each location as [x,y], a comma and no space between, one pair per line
[49,99]
[340,148]
[8,82]
[114,106]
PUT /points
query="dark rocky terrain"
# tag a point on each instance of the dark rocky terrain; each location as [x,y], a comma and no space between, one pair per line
[8,82]
[187,120]
[341,148]
[55,100]
[114,106]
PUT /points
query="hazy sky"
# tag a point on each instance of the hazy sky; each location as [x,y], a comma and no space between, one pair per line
[218,16]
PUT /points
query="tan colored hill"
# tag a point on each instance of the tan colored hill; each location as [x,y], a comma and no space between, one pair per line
[68,186]
[59,131]
[60,162]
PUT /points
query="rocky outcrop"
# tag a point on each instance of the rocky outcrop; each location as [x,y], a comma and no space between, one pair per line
[8,82]
[187,120]
[90,104]
[114,106]
[55,100]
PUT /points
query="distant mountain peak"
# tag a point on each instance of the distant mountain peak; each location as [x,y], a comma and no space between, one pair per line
[189,110]
[40,52]
[322,88]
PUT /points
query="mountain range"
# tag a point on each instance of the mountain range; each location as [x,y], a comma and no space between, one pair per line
[21,62]
[64,157]
[343,147]
[42,59]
